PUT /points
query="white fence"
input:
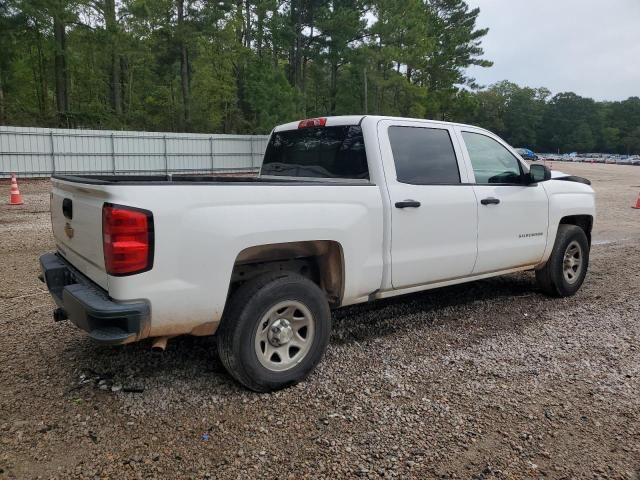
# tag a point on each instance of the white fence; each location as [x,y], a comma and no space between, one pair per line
[41,152]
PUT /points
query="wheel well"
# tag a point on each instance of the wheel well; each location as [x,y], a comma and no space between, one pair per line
[585,222]
[320,260]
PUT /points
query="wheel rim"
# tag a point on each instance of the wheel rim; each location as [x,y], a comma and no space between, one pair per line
[284,335]
[572,263]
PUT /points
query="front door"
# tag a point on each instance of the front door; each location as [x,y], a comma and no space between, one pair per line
[512,215]
[433,207]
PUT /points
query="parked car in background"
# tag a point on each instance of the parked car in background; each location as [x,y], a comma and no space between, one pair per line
[527,154]
[345,210]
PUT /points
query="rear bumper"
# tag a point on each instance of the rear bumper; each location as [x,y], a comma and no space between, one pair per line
[89,307]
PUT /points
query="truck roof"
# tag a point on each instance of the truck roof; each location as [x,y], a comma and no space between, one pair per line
[338,120]
[334,121]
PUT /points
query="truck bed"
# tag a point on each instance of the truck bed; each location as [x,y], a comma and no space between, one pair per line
[202,224]
[202,179]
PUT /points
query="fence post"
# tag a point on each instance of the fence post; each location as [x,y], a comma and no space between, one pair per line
[53,154]
[113,155]
[164,151]
[251,145]
[211,152]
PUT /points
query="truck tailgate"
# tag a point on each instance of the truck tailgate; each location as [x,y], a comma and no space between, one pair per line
[76,218]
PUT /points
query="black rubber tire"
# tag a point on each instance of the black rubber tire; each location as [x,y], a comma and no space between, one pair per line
[240,322]
[550,278]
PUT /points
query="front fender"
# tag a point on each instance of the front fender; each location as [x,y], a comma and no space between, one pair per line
[566,199]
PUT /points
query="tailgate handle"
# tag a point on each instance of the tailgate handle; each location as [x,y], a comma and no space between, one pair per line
[67,208]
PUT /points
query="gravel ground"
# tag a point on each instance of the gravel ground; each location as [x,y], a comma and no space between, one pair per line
[486,380]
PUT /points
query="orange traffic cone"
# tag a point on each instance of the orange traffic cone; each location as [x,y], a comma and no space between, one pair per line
[16,198]
[637,205]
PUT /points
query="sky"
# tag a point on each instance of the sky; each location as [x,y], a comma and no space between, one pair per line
[590,47]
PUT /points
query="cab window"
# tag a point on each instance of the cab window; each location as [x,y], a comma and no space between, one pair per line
[492,162]
[423,156]
[320,152]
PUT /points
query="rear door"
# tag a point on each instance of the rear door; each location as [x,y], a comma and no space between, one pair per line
[512,215]
[434,210]
[76,218]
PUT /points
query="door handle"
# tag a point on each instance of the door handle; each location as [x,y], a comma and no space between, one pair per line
[490,201]
[407,204]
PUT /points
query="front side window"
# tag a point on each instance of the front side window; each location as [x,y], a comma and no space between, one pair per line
[423,156]
[492,162]
[320,152]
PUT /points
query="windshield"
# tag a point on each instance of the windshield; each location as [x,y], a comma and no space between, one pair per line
[319,152]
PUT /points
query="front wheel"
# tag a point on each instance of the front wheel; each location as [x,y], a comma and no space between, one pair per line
[567,266]
[274,331]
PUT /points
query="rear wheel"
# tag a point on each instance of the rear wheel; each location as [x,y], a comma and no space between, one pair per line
[564,272]
[274,331]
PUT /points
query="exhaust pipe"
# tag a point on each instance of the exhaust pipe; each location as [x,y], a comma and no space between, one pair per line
[160,344]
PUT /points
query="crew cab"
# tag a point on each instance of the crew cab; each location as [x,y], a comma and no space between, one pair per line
[345,210]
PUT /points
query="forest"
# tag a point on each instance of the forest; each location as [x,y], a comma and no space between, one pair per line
[244,66]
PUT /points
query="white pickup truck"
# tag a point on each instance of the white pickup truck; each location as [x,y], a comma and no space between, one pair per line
[345,210]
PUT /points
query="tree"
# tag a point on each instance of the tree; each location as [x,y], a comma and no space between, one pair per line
[566,123]
[185,73]
[401,45]
[457,46]
[631,141]
[581,139]
[109,14]
[8,24]
[340,23]
[610,139]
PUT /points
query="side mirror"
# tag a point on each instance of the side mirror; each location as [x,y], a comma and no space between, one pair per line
[539,173]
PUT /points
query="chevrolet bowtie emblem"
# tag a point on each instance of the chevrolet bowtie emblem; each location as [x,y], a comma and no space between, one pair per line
[68,229]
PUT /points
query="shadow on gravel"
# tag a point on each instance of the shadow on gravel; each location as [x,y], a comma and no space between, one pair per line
[192,362]
[410,312]
[187,363]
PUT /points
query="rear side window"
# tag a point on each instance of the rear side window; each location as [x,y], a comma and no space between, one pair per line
[423,156]
[492,163]
[321,152]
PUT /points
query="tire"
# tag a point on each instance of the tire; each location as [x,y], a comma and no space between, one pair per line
[279,302]
[554,278]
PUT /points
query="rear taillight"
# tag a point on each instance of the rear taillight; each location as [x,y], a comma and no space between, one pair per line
[127,237]
[312,122]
